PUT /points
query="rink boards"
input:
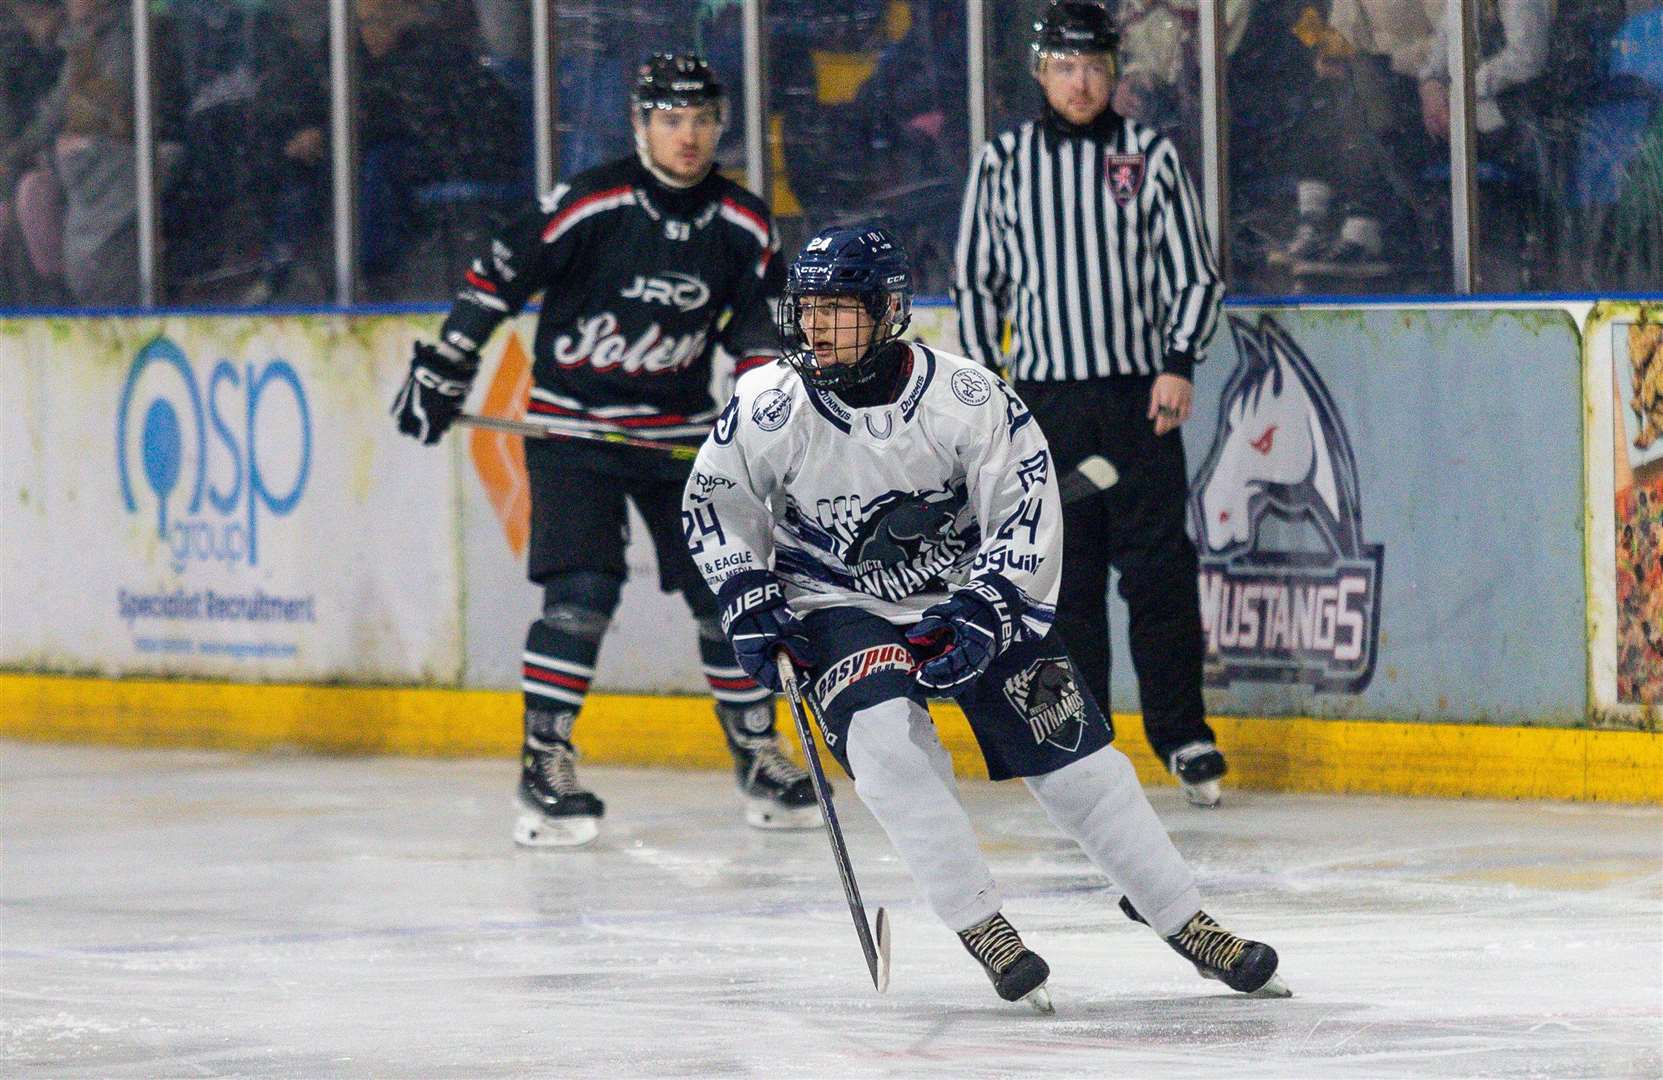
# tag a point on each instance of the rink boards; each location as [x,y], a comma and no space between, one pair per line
[1266,753]
[213,536]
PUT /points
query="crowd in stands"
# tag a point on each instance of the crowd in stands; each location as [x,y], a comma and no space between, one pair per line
[1339,126]
[1338,134]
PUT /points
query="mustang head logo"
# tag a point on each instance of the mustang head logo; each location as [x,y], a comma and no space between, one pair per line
[1281,449]
[1275,610]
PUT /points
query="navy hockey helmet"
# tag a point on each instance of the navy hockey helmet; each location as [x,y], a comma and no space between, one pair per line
[1070,27]
[674,81]
[862,262]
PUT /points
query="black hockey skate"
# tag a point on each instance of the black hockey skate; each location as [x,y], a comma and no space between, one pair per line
[1198,767]
[555,810]
[1247,967]
[1017,972]
[775,792]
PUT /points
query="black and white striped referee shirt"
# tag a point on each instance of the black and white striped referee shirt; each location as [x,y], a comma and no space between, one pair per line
[1092,247]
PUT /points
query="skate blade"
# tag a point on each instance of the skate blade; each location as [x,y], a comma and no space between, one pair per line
[1274,987]
[1206,794]
[1040,998]
[537,831]
[767,814]
[882,934]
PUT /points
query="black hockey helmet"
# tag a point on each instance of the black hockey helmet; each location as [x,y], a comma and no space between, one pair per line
[1074,26]
[674,81]
[865,262]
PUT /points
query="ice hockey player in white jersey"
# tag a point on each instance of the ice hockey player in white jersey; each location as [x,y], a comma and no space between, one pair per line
[888,515]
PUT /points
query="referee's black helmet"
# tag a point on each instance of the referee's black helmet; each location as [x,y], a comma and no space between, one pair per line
[1074,26]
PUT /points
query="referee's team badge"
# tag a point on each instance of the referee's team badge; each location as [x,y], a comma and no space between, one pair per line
[1124,174]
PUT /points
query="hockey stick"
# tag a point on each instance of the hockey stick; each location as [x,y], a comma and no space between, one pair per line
[538,431]
[1090,477]
[877,955]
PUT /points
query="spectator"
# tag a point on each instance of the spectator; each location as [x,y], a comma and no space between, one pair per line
[30,59]
[1357,202]
[1160,78]
[429,114]
[31,216]
[1606,131]
[1513,38]
[916,119]
[601,42]
[85,123]
[819,63]
[254,177]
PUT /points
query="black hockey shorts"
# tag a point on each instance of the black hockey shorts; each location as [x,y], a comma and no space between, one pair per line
[579,520]
[1030,712]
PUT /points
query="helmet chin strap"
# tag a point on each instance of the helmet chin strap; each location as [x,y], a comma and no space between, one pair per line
[645,154]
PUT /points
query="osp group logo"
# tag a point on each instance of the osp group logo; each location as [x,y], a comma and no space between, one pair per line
[1290,591]
[209,457]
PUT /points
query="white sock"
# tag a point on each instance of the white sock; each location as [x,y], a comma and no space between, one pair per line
[1364,232]
[1099,804]
[905,777]
[1315,197]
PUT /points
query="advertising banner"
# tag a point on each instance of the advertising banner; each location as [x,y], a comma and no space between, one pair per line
[1386,505]
[1386,510]
[1624,386]
[221,497]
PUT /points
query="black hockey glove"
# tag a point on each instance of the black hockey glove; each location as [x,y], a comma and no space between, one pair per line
[963,634]
[432,395]
[758,622]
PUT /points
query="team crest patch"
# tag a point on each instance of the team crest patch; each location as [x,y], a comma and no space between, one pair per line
[857,666]
[971,387]
[1124,175]
[1047,697]
[772,409]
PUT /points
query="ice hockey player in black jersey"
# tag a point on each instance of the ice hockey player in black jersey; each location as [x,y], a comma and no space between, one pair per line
[644,266]
[890,516]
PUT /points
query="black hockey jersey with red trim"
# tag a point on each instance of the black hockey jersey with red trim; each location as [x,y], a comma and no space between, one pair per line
[638,280]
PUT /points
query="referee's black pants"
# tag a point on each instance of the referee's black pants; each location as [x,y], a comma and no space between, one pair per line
[1137,526]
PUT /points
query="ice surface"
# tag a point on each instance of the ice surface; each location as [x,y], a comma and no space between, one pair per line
[200,914]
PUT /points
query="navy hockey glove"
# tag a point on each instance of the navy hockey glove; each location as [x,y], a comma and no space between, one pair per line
[432,395]
[963,634]
[758,622]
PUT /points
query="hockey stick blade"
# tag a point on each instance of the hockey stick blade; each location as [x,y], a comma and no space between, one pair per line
[1090,477]
[538,431]
[877,953]
[882,921]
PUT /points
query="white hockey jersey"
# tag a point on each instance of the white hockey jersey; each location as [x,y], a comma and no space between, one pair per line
[884,508]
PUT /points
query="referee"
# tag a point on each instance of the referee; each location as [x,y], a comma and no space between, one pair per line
[1082,233]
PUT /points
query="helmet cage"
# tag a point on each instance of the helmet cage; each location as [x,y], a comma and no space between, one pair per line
[891,314]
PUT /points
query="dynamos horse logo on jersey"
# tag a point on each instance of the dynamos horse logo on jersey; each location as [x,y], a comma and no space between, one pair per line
[1290,592]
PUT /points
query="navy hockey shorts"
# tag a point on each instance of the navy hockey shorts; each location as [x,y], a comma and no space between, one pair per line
[579,520]
[1030,712]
